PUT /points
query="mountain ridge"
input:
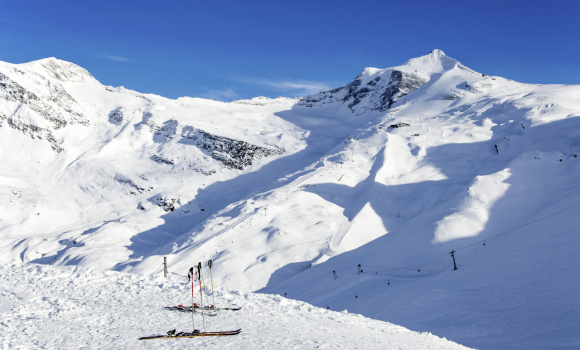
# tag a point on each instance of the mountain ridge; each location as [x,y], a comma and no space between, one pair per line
[381,88]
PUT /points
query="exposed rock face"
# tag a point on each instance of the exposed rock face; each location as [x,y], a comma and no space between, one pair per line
[36,132]
[398,125]
[34,101]
[133,188]
[161,133]
[379,93]
[166,203]
[234,154]
[50,103]
[116,115]
[161,160]
[452,96]
[12,91]
[399,85]
[56,105]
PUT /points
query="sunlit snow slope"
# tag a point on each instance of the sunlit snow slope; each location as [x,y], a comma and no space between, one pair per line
[392,171]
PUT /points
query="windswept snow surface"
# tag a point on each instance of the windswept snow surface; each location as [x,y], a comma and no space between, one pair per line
[45,307]
[392,171]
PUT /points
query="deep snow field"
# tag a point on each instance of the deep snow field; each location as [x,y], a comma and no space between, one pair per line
[393,171]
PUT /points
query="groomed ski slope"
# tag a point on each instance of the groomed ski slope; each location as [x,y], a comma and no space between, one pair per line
[46,307]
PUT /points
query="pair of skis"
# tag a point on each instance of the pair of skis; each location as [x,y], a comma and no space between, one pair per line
[173,335]
[195,308]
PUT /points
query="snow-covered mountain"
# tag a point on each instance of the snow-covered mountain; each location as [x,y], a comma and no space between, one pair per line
[392,171]
[378,89]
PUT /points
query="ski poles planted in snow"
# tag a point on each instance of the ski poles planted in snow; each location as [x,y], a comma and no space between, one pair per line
[204,287]
[209,264]
[197,273]
[192,303]
[173,334]
[200,294]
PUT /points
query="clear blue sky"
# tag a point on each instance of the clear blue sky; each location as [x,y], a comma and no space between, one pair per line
[240,49]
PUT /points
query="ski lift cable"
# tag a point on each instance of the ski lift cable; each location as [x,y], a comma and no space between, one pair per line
[372,268]
[410,267]
[522,226]
[506,231]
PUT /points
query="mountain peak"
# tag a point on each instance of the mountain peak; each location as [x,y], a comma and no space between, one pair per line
[425,66]
[379,88]
[61,70]
[437,53]
[435,62]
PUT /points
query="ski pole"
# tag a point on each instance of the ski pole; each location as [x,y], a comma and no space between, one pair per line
[192,303]
[204,288]
[210,263]
[200,293]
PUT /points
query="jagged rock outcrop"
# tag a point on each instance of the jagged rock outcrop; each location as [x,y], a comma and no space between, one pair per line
[378,89]
[166,203]
[234,154]
[379,92]
[36,132]
[116,116]
[55,104]
[40,111]
[161,160]
[134,189]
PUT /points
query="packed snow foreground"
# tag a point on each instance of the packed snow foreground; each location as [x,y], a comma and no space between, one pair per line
[427,195]
[45,307]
